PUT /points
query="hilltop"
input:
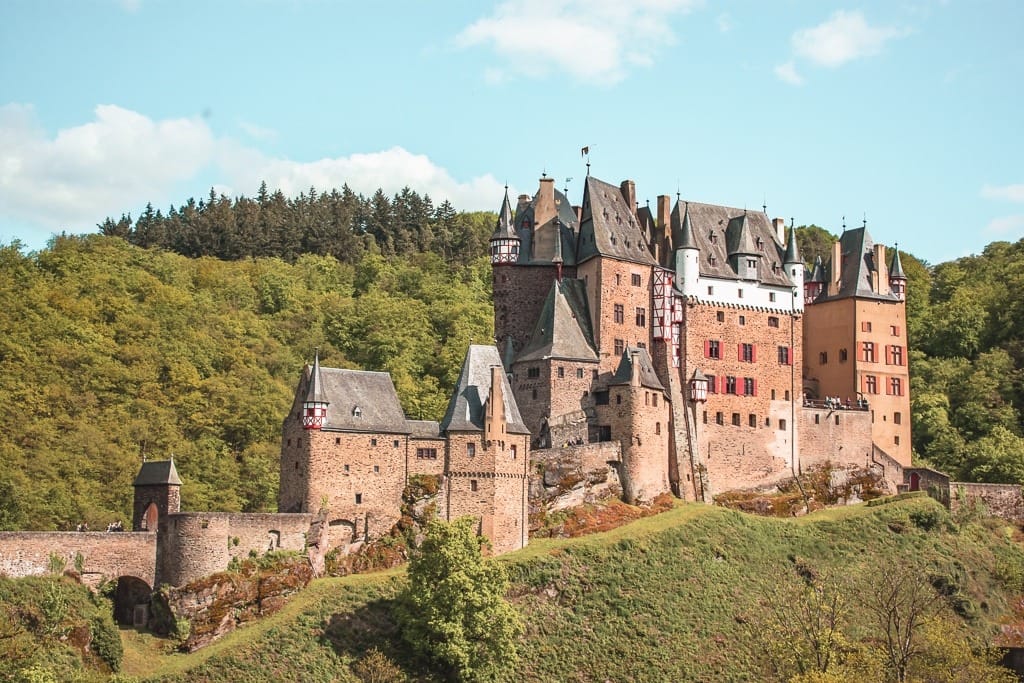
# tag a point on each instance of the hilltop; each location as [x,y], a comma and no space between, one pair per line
[672,596]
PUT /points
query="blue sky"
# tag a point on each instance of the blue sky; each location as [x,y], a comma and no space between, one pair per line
[908,112]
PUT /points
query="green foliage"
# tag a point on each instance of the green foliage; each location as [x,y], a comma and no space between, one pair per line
[454,611]
[375,667]
[106,641]
[112,353]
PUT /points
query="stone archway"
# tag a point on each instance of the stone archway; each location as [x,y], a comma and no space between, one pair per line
[131,601]
[342,533]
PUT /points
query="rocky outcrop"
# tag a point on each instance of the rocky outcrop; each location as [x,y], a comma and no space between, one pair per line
[573,475]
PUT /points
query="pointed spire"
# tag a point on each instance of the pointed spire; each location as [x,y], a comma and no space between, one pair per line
[686,240]
[792,253]
[315,393]
[896,266]
[818,272]
[505,228]
[509,355]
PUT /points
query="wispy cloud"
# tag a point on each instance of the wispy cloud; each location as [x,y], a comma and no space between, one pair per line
[122,159]
[257,132]
[787,72]
[844,37]
[724,22]
[1006,225]
[1009,193]
[595,41]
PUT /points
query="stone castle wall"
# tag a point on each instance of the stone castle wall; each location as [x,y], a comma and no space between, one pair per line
[195,544]
[842,437]
[104,555]
[1000,500]
[519,295]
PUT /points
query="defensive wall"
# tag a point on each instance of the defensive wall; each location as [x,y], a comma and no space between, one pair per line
[103,555]
[1000,500]
[195,544]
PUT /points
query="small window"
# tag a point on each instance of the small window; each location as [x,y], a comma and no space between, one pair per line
[604,433]
[817,419]
[784,355]
[618,399]
[865,326]
[561,372]
[593,374]
[471,449]
[395,443]
[711,290]
[620,347]
[654,400]
[720,316]
[749,386]
[472,484]
[513,452]
[747,353]
[837,418]
[534,394]
[601,398]
[897,418]
[736,419]
[712,384]
[894,330]
[739,293]
[752,420]
[772,320]
[641,317]
[771,297]
[296,464]
[620,313]
[823,358]
[376,469]
[870,384]
[719,418]
[657,428]
[897,439]
[346,468]
[712,261]
[532,373]
[359,499]
[579,373]
[289,442]
[782,424]
[373,442]
[337,441]
[705,417]
[868,349]
[843,355]
[743,320]
[730,385]
[636,279]
[713,349]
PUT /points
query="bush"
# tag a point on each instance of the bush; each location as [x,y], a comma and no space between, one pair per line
[375,667]
[106,641]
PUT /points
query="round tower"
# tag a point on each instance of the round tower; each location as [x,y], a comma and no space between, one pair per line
[687,257]
[314,408]
[794,268]
[504,241]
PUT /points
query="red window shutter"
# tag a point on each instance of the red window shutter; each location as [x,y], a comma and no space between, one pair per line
[721,384]
[888,355]
[707,349]
[739,352]
[755,387]
[888,386]
[753,357]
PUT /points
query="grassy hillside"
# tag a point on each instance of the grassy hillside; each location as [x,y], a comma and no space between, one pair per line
[670,597]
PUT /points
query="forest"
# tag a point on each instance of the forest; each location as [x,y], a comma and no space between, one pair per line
[183,334]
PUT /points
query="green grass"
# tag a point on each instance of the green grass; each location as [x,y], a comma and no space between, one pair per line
[662,598]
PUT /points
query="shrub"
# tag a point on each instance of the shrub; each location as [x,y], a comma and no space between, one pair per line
[106,641]
[375,667]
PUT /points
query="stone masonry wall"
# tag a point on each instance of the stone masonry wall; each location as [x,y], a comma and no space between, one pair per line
[105,555]
[842,437]
[1000,500]
[745,440]
[426,464]
[609,283]
[196,544]
[639,420]
[519,294]
[548,397]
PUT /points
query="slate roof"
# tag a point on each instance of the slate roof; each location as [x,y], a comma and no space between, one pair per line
[682,238]
[608,226]
[505,228]
[536,242]
[315,392]
[626,370]
[896,266]
[466,407]
[563,328]
[424,429]
[792,252]
[858,262]
[818,272]
[721,230]
[157,473]
[373,393]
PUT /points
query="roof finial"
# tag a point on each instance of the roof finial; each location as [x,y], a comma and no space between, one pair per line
[844,223]
[585,153]
[865,220]
[791,222]
[566,192]
[544,173]
[678,194]
[764,204]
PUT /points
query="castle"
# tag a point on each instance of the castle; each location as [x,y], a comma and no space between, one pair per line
[685,350]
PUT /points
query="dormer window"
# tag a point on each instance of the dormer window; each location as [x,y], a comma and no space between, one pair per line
[712,261]
[760,243]
[357,411]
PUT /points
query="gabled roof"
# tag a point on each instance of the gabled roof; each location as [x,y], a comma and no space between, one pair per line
[424,429]
[505,228]
[608,226]
[157,473]
[466,407]
[710,222]
[628,368]
[858,262]
[563,327]
[818,272]
[536,242]
[361,401]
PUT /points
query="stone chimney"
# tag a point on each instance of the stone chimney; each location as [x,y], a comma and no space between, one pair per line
[780,229]
[545,208]
[494,417]
[634,361]
[837,269]
[881,270]
[628,189]
[665,221]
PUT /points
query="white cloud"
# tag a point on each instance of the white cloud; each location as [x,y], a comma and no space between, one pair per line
[787,72]
[121,160]
[257,132]
[592,40]
[724,22]
[106,166]
[1010,193]
[1006,226]
[846,36]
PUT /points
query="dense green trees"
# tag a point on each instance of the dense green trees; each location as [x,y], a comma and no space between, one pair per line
[112,353]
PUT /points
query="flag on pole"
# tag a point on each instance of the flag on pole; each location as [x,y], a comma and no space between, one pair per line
[585,151]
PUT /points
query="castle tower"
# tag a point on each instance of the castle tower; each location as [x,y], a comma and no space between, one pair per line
[488,452]
[855,343]
[795,267]
[157,494]
[744,255]
[314,408]
[687,257]
[897,278]
[505,241]
[815,283]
